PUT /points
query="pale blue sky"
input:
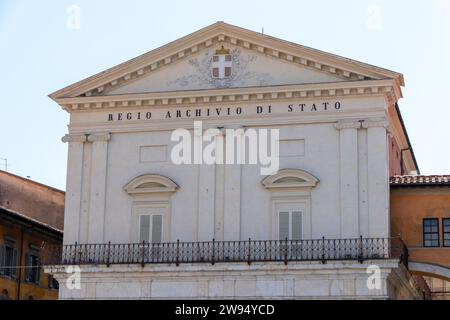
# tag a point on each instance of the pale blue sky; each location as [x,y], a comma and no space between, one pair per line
[40,54]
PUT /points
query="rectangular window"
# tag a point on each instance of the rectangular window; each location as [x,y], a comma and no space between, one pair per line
[215,58]
[446,231]
[227,71]
[228,57]
[215,72]
[431,232]
[8,259]
[33,268]
[290,225]
[150,228]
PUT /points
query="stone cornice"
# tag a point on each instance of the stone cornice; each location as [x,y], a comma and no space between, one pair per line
[233,95]
[221,33]
[221,39]
[74,138]
[85,137]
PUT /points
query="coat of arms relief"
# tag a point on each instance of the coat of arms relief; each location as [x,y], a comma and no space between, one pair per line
[223,68]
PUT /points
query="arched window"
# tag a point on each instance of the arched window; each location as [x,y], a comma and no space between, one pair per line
[151,207]
[291,203]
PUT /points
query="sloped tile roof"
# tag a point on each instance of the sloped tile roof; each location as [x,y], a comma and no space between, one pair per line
[420,180]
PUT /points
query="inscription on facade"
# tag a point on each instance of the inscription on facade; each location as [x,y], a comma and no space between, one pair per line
[217,112]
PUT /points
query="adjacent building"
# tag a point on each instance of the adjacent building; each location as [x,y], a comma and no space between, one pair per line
[149,216]
[420,213]
[31,217]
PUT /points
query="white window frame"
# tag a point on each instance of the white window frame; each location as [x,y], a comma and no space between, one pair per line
[150,234]
[153,208]
[290,212]
[285,202]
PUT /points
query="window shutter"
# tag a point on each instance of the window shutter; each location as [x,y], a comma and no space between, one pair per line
[296,225]
[27,267]
[144,228]
[38,270]
[2,255]
[15,263]
[157,229]
[283,225]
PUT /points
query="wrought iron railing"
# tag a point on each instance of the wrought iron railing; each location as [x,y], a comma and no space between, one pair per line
[249,251]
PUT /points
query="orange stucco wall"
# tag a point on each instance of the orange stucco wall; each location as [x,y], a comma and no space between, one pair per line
[409,206]
[30,237]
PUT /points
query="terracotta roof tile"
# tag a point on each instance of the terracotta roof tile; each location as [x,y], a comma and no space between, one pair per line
[420,180]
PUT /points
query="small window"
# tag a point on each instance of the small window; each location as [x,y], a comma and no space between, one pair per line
[8,258]
[150,228]
[290,225]
[227,71]
[215,58]
[215,72]
[431,232]
[33,268]
[228,57]
[446,231]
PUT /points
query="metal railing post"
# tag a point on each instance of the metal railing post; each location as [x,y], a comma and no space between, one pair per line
[213,249]
[286,251]
[143,254]
[249,261]
[177,263]
[360,253]
[323,251]
[107,253]
[75,253]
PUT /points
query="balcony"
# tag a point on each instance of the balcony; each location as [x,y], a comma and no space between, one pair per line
[322,250]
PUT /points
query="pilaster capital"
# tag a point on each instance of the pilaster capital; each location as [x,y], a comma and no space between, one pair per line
[347,125]
[375,124]
[79,137]
[95,137]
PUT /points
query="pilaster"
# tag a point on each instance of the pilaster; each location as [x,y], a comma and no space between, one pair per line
[378,180]
[73,186]
[98,186]
[348,171]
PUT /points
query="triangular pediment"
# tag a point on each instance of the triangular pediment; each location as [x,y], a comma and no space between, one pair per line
[247,68]
[256,60]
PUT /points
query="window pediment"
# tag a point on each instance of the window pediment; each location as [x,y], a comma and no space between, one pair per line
[290,178]
[150,183]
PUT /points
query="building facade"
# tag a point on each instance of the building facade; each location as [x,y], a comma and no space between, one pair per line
[31,217]
[420,213]
[149,216]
